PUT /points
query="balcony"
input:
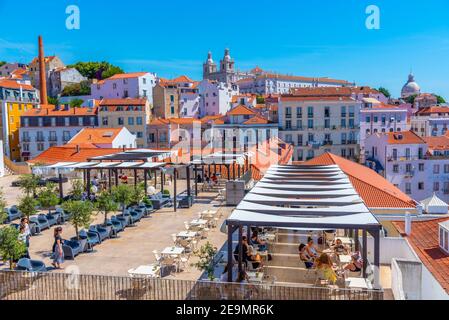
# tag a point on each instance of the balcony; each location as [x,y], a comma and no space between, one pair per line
[40,139]
[328,143]
[314,144]
[53,139]
[26,139]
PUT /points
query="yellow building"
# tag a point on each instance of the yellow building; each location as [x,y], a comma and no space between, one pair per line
[15,98]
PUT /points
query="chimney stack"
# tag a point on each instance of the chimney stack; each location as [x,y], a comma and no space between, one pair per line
[408,224]
[42,76]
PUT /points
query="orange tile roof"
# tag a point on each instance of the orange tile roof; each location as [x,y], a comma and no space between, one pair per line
[211,117]
[424,241]
[364,90]
[375,190]
[257,120]
[183,120]
[49,110]
[126,75]
[69,153]
[237,97]
[432,110]
[316,98]
[124,102]
[182,78]
[12,84]
[321,91]
[240,110]
[94,136]
[438,143]
[159,122]
[405,137]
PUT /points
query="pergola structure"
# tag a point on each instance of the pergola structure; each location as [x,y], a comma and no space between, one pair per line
[236,164]
[141,160]
[307,198]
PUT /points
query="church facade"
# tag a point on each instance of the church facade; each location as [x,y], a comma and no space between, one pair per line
[226,73]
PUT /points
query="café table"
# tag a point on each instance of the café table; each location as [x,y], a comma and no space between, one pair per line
[187,234]
[173,251]
[255,277]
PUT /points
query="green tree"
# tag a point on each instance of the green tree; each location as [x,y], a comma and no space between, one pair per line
[29,184]
[76,103]
[2,63]
[206,256]
[54,101]
[105,204]
[138,194]
[123,194]
[11,248]
[47,197]
[385,92]
[96,70]
[77,89]
[260,100]
[3,214]
[440,99]
[411,99]
[77,189]
[27,206]
[80,214]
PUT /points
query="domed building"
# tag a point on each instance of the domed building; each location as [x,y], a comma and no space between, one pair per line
[410,88]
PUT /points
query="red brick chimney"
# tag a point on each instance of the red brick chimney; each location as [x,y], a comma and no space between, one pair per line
[42,75]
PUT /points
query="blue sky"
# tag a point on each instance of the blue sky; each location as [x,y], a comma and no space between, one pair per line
[308,38]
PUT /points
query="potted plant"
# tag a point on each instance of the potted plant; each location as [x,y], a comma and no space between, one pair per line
[166,193]
[105,204]
[3,214]
[11,248]
[47,197]
[206,256]
[80,214]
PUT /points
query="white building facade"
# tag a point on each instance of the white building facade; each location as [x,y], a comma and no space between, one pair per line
[315,125]
[215,97]
[127,85]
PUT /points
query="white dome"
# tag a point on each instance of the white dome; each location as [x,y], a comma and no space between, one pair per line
[410,88]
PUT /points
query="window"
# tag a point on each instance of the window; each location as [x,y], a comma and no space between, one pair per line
[420,185]
[343,123]
[114,86]
[299,112]
[343,112]
[327,112]
[144,80]
[120,121]
[407,154]
[66,136]
[446,187]
[139,134]
[26,147]
[300,141]
[310,154]
[67,121]
[351,111]
[288,124]
[310,112]
[172,98]
[104,121]
[408,188]
[288,112]
[446,168]
[299,124]
[436,186]
[130,121]
[310,123]
[376,119]
[421,167]
[351,123]
[311,137]
[408,168]
[144,93]
[368,119]
[436,168]
[327,123]
[396,168]
[151,137]
[80,121]
[139,121]
[40,147]
[172,110]
[288,138]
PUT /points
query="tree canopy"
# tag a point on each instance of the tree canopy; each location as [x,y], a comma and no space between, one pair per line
[440,99]
[53,100]
[105,204]
[47,197]
[77,89]
[2,63]
[80,214]
[29,183]
[96,70]
[11,248]
[384,91]
[27,206]
[411,99]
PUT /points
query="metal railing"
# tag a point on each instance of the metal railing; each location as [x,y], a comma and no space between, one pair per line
[59,286]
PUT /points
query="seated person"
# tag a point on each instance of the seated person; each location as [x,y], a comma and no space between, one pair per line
[324,264]
[311,249]
[214,179]
[199,179]
[247,255]
[257,242]
[339,247]
[356,264]
[304,256]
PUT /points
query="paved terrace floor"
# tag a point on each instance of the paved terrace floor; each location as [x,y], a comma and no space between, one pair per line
[135,245]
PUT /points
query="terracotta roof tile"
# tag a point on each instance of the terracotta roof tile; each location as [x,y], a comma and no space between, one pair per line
[70,154]
[127,75]
[241,110]
[95,136]
[12,84]
[257,120]
[425,242]
[375,190]
[124,102]
[406,137]
[438,143]
[49,110]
